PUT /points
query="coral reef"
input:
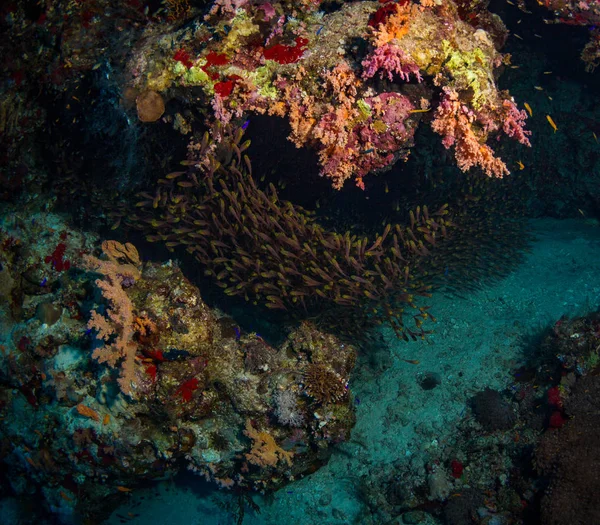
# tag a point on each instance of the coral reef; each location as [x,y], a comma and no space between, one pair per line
[114,369]
[155,382]
[536,458]
[582,13]
[570,457]
[320,72]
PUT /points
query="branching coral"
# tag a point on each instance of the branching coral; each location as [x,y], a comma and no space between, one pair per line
[393,23]
[117,330]
[467,131]
[455,122]
[353,136]
[514,122]
[390,59]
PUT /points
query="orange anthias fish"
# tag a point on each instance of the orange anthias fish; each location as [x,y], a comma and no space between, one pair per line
[552,123]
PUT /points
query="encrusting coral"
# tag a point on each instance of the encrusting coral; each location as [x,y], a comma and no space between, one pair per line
[265,452]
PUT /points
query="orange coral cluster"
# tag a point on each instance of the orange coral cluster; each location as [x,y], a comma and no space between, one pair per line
[146,330]
[396,25]
[117,330]
[265,451]
[455,121]
[333,132]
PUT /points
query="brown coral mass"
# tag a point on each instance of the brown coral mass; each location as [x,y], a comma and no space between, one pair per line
[323,384]
[150,106]
[116,250]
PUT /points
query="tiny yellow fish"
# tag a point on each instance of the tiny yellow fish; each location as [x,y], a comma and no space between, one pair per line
[595,138]
[547,72]
[552,123]
[419,110]
[581,211]
[528,108]
[517,36]
[539,88]
[515,67]
[387,190]
[521,165]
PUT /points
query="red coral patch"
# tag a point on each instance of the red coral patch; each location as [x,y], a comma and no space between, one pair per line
[287,54]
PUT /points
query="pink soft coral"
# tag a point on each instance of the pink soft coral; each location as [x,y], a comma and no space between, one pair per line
[389,59]
[369,146]
[514,122]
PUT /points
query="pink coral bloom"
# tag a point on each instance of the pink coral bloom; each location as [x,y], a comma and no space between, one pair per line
[390,59]
[514,122]
[364,148]
[269,10]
